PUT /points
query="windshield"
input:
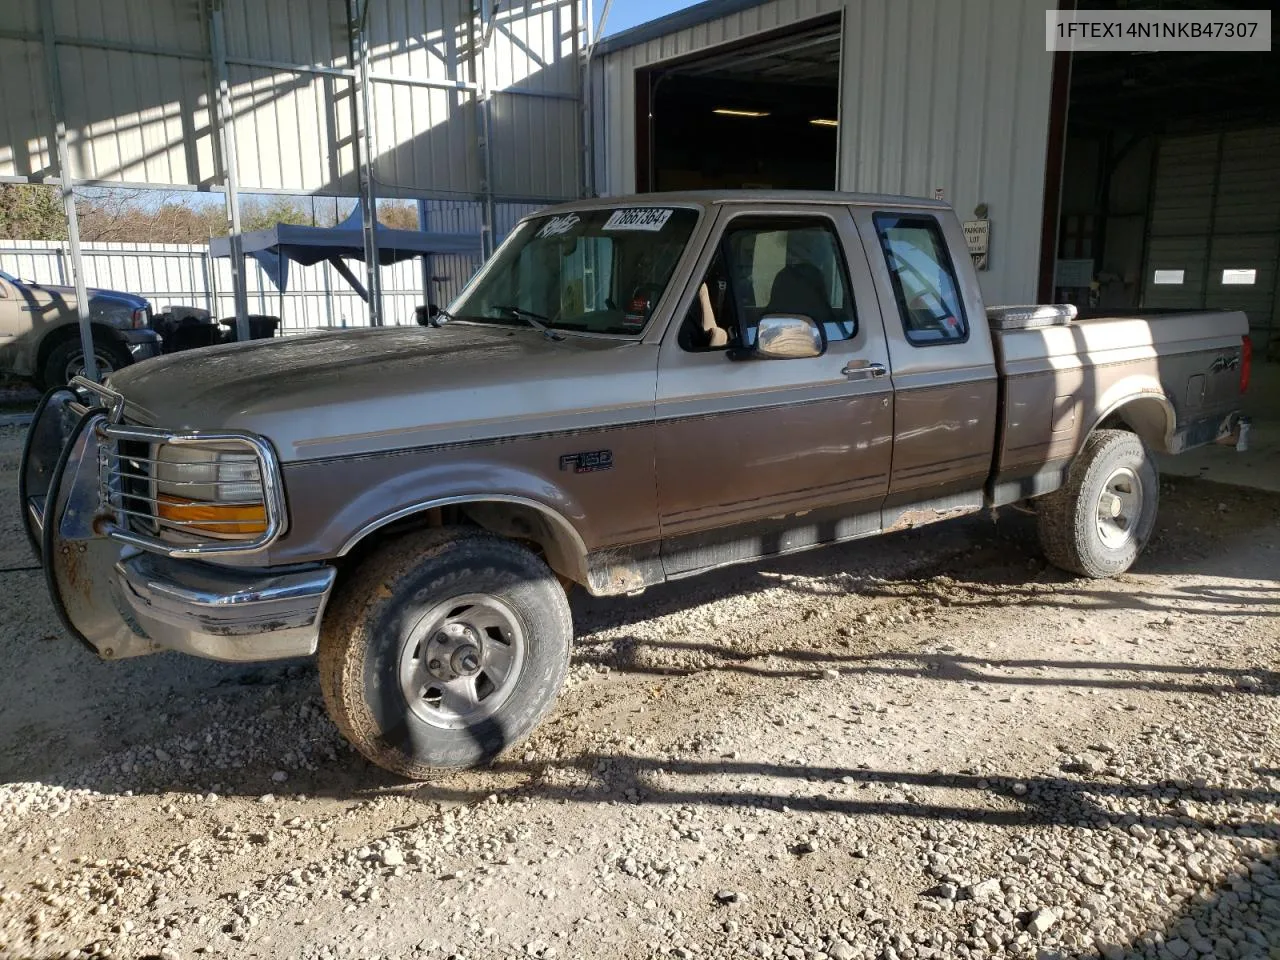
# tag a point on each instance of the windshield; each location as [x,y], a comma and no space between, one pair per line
[594,271]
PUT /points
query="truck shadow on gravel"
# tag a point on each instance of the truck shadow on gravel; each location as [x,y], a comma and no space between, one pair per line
[955,668]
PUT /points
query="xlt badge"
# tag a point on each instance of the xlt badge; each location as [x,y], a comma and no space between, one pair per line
[588,462]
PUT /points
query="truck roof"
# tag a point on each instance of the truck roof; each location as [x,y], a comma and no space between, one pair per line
[706,198]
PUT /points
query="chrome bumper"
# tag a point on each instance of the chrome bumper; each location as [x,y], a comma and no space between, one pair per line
[223,613]
[123,602]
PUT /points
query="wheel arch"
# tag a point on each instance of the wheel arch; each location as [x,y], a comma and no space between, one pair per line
[63,332]
[507,515]
[1148,413]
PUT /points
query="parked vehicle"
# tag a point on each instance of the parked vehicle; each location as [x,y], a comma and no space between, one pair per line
[40,331]
[631,391]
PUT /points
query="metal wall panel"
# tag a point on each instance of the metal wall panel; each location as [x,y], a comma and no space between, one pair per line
[532,71]
[950,94]
[424,137]
[135,118]
[24,121]
[137,79]
[176,25]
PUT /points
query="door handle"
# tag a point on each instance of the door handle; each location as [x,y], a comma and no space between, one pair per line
[864,370]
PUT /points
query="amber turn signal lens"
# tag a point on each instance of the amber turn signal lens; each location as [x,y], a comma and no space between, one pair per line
[225,518]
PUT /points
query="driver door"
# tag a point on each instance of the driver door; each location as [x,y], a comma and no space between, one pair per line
[757,457]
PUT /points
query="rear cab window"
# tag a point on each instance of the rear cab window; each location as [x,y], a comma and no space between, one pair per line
[924,279]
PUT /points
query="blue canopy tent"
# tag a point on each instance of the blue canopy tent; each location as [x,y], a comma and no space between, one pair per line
[275,247]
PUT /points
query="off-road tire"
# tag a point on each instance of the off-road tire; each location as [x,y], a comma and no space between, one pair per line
[1067,518]
[371,613]
[53,373]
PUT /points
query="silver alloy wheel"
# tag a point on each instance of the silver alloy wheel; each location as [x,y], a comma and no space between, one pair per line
[1119,508]
[461,661]
[75,366]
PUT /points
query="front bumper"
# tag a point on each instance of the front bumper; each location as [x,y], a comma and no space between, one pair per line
[223,613]
[143,344]
[122,601]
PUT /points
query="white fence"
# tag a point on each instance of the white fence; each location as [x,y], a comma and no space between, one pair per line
[317,296]
[174,273]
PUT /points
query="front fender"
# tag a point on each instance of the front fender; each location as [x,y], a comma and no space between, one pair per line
[332,506]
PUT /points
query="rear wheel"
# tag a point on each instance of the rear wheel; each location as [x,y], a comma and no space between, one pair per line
[1101,518]
[66,360]
[443,650]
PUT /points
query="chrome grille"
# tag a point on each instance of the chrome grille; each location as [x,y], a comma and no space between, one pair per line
[130,484]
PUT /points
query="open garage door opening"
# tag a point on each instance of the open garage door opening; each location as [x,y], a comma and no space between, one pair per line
[760,115]
[1170,192]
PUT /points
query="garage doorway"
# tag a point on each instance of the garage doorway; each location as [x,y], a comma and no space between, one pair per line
[1170,194]
[759,114]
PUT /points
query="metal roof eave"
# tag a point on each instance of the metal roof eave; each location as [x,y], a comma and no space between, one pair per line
[673,23]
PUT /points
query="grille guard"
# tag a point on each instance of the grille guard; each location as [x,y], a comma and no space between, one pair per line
[112,519]
[122,598]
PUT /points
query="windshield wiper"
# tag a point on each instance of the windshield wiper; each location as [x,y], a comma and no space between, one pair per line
[535,320]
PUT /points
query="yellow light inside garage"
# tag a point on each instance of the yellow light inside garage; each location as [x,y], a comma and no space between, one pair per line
[727,112]
[824,122]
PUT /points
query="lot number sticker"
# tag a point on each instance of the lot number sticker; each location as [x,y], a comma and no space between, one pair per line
[645,218]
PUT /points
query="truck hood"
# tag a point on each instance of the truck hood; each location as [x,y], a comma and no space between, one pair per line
[104,299]
[364,391]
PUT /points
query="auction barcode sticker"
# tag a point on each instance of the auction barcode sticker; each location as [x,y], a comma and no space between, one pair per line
[639,218]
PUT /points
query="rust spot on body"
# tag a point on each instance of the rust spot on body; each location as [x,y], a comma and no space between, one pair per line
[909,519]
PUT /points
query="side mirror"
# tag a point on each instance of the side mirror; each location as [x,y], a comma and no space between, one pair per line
[789,337]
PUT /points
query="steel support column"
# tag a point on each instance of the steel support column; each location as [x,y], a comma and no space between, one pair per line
[225,122]
[428,262]
[588,96]
[66,185]
[368,191]
[483,101]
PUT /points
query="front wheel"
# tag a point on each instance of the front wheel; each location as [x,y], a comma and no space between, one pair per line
[444,650]
[66,360]
[1098,522]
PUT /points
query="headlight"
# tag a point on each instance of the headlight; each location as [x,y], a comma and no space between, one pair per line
[138,320]
[211,490]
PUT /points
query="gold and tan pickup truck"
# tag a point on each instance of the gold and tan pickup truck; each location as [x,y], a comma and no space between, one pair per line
[630,391]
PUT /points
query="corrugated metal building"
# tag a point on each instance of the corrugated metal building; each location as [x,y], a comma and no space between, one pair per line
[138,82]
[949,96]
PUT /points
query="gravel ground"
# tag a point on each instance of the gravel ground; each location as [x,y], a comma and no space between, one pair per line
[926,745]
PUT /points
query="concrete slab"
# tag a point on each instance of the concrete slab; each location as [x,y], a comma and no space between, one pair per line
[1259,466]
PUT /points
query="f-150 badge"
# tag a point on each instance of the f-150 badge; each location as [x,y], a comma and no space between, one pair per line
[589,462]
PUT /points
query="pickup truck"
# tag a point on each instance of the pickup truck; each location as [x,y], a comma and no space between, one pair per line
[630,391]
[40,330]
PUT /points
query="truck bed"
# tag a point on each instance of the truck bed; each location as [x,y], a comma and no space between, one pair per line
[1061,375]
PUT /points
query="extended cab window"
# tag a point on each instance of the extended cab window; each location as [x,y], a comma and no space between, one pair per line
[771,266]
[924,281]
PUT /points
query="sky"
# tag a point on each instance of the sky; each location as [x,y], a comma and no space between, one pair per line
[628,13]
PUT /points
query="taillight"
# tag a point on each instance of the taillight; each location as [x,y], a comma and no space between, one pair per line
[1246,363]
[139,319]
